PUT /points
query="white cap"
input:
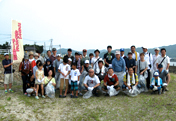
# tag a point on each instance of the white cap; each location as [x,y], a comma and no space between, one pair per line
[156,73]
[100,60]
[69,59]
[6,54]
[157,48]
[86,61]
[59,55]
[36,54]
[117,52]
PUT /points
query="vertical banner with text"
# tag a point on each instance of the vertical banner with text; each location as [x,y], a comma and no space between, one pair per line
[17,42]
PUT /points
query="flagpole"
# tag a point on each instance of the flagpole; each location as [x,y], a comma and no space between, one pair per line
[11,54]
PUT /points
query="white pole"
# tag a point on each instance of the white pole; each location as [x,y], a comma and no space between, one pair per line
[11,53]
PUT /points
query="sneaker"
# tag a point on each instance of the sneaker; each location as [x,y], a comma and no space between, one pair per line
[39,95]
[64,96]
[36,97]
[11,90]
[43,96]
[71,96]
[6,92]
[76,97]
[97,95]
[29,95]
[80,94]
[25,93]
[60,96]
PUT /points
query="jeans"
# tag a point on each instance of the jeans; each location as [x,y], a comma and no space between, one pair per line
[151,87]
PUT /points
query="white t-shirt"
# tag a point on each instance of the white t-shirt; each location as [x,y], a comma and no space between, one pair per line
[91,82]
[155,58]
[94,59]
[74,74]
[64,69]
[165,62]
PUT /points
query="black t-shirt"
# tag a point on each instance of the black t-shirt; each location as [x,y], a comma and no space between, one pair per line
[72,57]
[109,58]
[30,84]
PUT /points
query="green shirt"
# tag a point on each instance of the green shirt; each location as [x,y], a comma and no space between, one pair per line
[83,59]
[47,80]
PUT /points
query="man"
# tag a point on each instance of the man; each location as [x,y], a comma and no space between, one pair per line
[69,55]
[84,73]
[40,57]
[130,62]
[135,55]
[149,59]
[77,60]
[155,57]
[130,79]
[95,59]
[92,83]
[100,71]
[122,53]
[7,64]
[84,57]
[111,80]
[165,76]
[108,57]
[156,83]
[53,56]
[56,64]
[164,60]
[118,65]
[48,55]
[90,58]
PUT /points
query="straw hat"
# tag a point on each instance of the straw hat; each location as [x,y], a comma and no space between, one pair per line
[31,53]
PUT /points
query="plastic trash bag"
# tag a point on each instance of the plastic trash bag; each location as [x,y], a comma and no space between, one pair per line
[50,90]
[120,77]
[112,92]
[142,84]
[132,92]
[29,90]
[88,94]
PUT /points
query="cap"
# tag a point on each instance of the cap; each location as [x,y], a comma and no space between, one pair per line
[84,50]
[76,53]
[130,52]
[144,47]
[122,50]
[58,55]
[6,54]
[69,50]
[26,56]
[157,48]
[156,74]
[54,49]
[69,59]
[160,66]
[96,51]
[117,52]
[31,53]
[36,54]
[86,61]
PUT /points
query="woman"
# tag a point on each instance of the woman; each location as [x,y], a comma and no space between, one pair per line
[24,68]
[48,66]
[49,80]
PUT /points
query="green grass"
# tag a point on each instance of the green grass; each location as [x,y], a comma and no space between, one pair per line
[143,107]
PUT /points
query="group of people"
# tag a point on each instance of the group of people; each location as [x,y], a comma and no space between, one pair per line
[79,73]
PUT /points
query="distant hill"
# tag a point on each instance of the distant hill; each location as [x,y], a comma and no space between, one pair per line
[170,50]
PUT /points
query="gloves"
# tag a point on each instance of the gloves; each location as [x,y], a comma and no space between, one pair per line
[112,86]
[110,65]
[43,79]
[39,80]
[90,88]
[155,88]
[108,87]
[77,82]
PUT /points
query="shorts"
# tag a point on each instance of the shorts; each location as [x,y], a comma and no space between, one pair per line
[115,87]
[62,80]
[74,85]
[8,78]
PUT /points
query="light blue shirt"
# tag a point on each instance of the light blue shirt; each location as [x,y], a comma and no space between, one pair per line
[118,65]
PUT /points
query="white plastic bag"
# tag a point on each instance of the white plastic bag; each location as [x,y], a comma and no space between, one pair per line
[132,92]
[88,94]
[142,83]
[112,91]
[120,77]
[29,90]
[50,90]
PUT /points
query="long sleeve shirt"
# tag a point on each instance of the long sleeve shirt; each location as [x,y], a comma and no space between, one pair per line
[118,65]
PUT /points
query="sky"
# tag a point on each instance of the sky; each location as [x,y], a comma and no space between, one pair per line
[91,24]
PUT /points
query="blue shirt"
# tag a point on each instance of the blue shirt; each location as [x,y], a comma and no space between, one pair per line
[156,81]
[118,65]
[130,63]
[7,70]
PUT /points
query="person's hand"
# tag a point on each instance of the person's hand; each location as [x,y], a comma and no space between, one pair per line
[39,80]
[92,88]
[108,87]
[129,87]
[167,70]
[63,74]
[77,82]
[53,84]
[89,88]
[11,63]
[141,73]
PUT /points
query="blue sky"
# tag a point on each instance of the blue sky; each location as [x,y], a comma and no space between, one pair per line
[92,24]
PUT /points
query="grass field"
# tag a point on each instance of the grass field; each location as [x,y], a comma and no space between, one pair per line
[143,107]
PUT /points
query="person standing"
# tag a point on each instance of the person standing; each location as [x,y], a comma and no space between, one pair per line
[135,55]
[95,59]
[48,55]
[48,66]
[108,57]
[31,59]
[53,56]
[149,59]
[84,57]
[77,60]
[122,51]
[7,64]
[155,57]
[90,58]
[40,57]
[69,54]
[130,62]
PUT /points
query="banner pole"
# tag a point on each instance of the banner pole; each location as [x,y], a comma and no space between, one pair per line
[11,54]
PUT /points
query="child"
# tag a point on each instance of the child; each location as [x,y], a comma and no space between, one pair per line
[156,83]
[74,75]
[64,70]
[39,80]
[30,86]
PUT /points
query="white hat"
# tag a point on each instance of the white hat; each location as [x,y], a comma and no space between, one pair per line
[36,54]
[156,74]
[144,47]
[86,61]
[157,48]
[69,59]
[117,52]
[58,55]
[6,54]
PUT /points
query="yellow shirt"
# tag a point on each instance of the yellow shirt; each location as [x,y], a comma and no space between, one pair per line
[136,79]
[47,80]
